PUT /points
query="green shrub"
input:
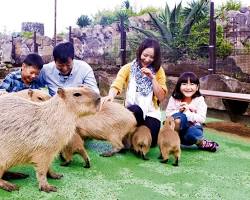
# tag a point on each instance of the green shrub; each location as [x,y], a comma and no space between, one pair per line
[83,21]
[27,34]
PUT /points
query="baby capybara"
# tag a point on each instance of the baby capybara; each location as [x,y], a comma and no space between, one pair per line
[113,123]
[169,141]
[35,132]
[141,141]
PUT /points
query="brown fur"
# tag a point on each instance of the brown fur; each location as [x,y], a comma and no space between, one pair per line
[36,96]
[35,132]
[33,95]
[76,145]
[141,141]
[169,141]
[112,123]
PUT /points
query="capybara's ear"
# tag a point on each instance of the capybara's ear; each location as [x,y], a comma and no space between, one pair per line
[30,92]
[61,92]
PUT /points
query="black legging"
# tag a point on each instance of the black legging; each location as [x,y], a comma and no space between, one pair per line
[152,123]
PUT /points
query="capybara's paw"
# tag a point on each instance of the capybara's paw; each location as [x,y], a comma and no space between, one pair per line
[14,175]
[176,164]
[54,175]
[61,157]
[48,188]
[8,186]
[164,161]
[107,154]
[65,164]
[145,158]
[87,165]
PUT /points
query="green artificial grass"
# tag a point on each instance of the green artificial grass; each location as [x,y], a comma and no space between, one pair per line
[201,175]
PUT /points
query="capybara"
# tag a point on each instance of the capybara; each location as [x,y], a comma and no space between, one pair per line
[169,141]
[33,95]
[141,141]
[76,145]
[35,132]
[113,123]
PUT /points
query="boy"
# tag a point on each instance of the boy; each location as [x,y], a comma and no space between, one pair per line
[26,77]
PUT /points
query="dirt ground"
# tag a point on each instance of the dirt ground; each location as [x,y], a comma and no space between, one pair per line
[230,127]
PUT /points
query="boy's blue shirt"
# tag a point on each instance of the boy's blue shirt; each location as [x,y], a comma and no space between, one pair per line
[13,82]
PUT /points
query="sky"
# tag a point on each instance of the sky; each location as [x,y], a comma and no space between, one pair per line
[14,12]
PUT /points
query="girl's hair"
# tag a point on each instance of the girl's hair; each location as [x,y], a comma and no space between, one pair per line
[151,43]
[184,77]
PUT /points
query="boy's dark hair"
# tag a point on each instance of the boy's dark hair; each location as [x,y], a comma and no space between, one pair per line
[151,43]
[63,51]
[184,77]
[34,60]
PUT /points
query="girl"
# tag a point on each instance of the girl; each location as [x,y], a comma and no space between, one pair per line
[145,84]
[189,109]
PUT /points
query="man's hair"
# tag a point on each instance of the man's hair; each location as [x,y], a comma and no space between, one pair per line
[63,51]
[34,60]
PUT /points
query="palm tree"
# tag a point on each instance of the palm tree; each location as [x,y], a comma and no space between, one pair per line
[83,21]
[172,29]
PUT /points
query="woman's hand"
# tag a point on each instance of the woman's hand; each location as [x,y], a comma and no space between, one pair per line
[147,72]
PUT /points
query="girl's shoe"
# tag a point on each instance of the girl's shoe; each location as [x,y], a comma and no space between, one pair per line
[209,146]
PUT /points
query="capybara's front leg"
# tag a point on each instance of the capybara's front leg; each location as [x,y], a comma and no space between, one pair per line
[82,151]
[42,163]
[5,184]
[53,175]
[67,154]
[14,175]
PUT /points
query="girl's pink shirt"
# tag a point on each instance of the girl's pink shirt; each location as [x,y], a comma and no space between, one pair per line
[197,109]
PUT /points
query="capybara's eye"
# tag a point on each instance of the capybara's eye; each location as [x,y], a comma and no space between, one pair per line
[77,94]
[40,98]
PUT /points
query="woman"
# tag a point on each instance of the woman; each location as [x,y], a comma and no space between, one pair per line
[145,83]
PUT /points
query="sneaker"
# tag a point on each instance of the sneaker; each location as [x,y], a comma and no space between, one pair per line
[209,146]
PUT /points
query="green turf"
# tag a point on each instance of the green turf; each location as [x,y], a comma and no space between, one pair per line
[201,175]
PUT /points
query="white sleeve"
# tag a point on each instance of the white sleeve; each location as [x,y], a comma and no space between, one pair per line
[172,107]
[201,111]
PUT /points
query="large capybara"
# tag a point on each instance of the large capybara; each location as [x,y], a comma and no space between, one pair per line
[35,132]
[169,141]
[113,123]
[141,141]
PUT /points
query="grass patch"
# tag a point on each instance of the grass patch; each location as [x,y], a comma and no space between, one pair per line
[201,175]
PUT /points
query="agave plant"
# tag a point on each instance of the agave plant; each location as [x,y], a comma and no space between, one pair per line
[172,29]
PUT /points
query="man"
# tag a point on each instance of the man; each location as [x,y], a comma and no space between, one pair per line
[65,71]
